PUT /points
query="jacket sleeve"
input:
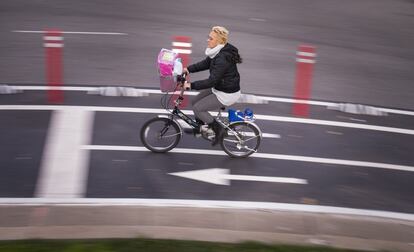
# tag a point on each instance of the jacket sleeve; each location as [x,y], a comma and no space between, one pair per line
[200,66]
[217,70]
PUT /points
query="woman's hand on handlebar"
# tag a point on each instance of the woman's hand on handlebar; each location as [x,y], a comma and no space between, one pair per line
[186,86]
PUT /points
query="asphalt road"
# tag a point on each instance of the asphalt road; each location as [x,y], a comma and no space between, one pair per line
[364,55]
[364,48]
[141,174]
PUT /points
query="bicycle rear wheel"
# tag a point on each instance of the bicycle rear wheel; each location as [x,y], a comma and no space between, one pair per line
[160,134]
[242,141]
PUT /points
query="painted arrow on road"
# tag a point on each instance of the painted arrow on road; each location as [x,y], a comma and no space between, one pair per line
[221,176]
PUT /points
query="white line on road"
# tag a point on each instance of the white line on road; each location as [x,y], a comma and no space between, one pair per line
[264,98]
[265,135]
[181,44]
[53,45]
[189,112]
[306,54]
[75,32]
[334,133]
[64,167]
[182,51]
[335,123]
[85,89]
[306,61]
[220,176]
[257,19]
[208,204]
[263,155]
[53,38]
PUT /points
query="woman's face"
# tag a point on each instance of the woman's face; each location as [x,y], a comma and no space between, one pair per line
[212,40]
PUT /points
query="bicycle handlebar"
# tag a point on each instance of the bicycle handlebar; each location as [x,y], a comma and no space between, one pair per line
[181,78]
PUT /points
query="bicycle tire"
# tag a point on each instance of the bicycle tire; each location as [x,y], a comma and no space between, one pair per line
[160,135]
[250,136]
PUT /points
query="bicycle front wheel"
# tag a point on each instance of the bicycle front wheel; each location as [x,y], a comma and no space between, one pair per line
[160,134]
[242,140]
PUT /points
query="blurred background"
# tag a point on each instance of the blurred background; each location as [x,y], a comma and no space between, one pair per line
[365,51]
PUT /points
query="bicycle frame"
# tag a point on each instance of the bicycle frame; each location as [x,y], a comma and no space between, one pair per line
[177,112]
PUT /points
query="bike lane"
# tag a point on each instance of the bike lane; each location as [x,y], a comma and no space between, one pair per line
[138,177]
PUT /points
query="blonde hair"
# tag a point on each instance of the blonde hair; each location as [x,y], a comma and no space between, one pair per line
[222,34]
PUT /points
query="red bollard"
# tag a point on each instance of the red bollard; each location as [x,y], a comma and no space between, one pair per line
[54,68]
[182,45]
[305,60]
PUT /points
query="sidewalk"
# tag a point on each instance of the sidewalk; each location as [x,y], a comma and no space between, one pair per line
[206,224]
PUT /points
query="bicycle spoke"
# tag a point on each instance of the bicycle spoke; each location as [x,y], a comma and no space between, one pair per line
[242,139]
[160,134]
[167,136]
[249,149]
[248,139]
[231,141]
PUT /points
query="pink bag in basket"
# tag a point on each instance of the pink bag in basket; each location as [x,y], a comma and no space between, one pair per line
[165,66]
[165,62]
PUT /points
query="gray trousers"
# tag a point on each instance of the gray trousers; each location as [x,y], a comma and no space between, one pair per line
[204,102]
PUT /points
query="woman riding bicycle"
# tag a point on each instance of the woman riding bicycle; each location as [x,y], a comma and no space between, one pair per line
[222,88]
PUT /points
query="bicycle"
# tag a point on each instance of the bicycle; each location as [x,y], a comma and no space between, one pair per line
[163,133]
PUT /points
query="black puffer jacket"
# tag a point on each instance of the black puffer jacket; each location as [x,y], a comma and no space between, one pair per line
[224,75]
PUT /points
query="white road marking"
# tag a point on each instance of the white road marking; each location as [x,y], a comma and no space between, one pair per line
[265,135]
[54,38]
[182,51]
[192,93]
[76,32]
[262,155]
[351,118]
[306,54]
[189,112]
[257,19]
[119,160]
[309,61]
[181,44]
[335,123]
[53,45]
[219,176]
[357,120]
[208,204]
[397,111]
[64,166]
[86,89]
[295,136]
[334,133]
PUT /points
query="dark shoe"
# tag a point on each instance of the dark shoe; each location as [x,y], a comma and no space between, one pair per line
[200,122]
[218,130]
[196,131]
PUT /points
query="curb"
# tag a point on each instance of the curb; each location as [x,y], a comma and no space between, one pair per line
[216,225]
